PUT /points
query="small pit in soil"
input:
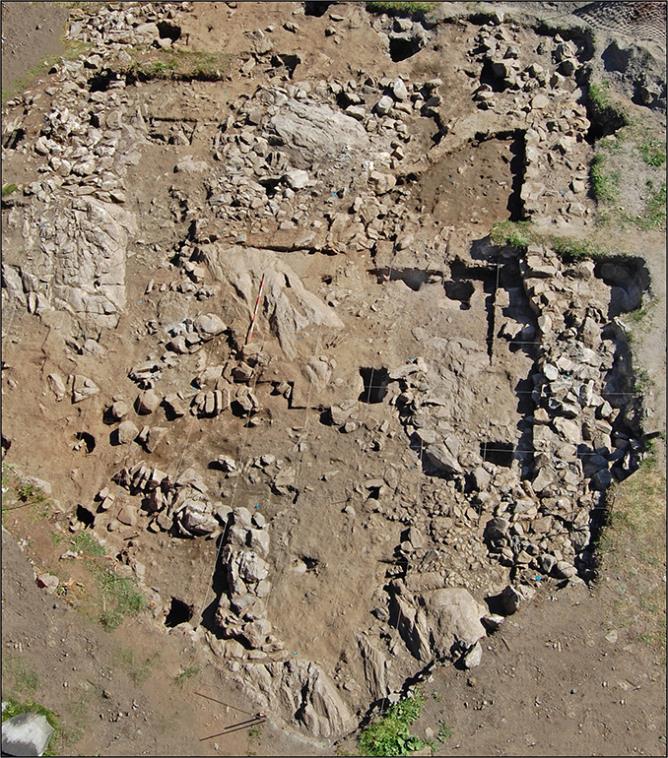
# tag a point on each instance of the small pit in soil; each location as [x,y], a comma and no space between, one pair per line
[169,31]
[179,613]
[317,8]
[87,439]
[401,48]
[375,384]
[461,291]
[498,453]
[86,517]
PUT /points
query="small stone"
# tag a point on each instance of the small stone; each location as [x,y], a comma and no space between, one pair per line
[50,583]
[209,325]
[82,388]
[384,105]
[126,432]
[473,657]
[147,402]
[399,89]
[155,435]
[382,182]
[57,385]
[226,463]
[564,570]
[356,111]
[296,179]
[127,515]
[26,734]
[174,406]
[118,410]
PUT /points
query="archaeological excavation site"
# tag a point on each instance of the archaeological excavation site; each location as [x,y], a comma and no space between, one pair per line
[333,374]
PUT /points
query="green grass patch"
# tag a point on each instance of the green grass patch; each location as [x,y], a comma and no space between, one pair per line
[406,8]
[653,152]
[9,189]
[120,598]
[24,681]
[87,544]
[604,184]
[576,249]
[512,233]
[177,64]
[521,234]
[599,95]
[444,732]
[185,675]
[390,734]
[16,707]
[88,7]
[654,216]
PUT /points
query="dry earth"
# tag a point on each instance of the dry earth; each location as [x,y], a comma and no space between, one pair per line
[422,419]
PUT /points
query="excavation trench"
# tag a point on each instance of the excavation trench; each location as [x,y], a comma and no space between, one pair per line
[475,398]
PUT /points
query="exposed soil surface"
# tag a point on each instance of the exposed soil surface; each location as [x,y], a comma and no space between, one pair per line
[32,32]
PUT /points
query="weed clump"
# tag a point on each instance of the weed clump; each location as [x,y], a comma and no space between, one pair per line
[605,185]
[512,233]
[120,598]
[653,152]
[390,735]
[187,673]
[399,7]
[181,65]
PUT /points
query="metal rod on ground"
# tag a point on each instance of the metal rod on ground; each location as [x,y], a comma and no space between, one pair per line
[237,727]
[227,705]
[257,304]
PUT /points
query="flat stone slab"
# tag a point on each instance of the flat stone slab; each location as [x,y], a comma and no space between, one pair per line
[26,734]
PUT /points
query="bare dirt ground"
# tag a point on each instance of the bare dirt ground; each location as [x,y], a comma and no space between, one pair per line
[576,672]
[32,32]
